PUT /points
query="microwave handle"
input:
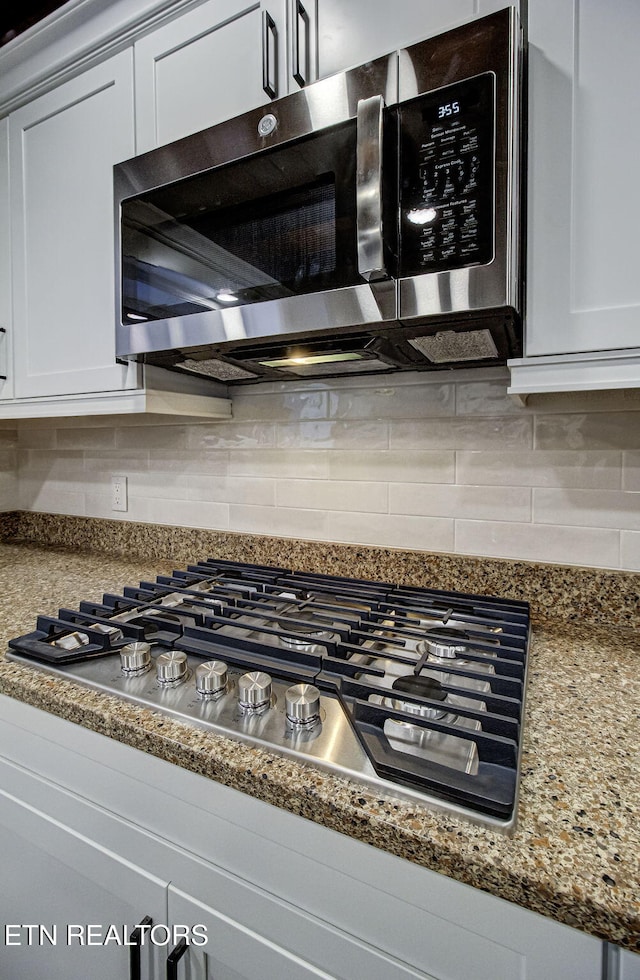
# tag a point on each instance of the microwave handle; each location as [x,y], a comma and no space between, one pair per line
[369,188]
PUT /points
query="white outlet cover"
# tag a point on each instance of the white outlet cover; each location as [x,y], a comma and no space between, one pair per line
[119,496]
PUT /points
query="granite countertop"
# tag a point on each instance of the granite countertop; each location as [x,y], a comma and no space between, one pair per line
[575,855]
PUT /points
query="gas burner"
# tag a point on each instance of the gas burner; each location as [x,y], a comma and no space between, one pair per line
[303,637]
[178,600]
[203,586]
[424,687]
[446,643]
[452,647]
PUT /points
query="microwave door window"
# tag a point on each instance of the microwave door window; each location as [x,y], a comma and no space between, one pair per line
[274,225]
[171,270]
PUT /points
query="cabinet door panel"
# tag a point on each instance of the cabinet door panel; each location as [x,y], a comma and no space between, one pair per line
[6,366]
[584,195]
[204,67]
[308,948]
[63,147]
[74,889]
[354,32]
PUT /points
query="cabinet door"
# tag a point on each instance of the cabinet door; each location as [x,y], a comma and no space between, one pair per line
[584,194]
[234,951]
[60,894]
[359,30]
[6,366]
[627,965]
[62,149]
[206,66]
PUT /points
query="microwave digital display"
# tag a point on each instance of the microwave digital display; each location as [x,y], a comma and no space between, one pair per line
[447,187]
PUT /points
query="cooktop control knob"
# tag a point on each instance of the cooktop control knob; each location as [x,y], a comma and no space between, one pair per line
[171,667]
[211,678]
[302,704]
[135,658]
[254,690]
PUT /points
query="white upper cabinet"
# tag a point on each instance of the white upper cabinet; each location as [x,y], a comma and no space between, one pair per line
[6,362]
[62,149]
[351,32]
[217,61]
[583,288]
[584,192]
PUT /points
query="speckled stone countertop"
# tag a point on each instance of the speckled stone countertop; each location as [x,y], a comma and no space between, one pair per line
[575,855]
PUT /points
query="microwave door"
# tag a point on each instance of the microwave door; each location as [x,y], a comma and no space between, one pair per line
[284,241]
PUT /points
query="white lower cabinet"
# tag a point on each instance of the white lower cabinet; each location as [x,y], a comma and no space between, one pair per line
[6,319]
[623,965]
[95,832]
[60,894]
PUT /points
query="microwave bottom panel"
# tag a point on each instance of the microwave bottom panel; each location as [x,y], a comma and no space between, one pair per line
[442,343]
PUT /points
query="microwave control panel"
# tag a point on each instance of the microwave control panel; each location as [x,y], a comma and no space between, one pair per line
[447,177]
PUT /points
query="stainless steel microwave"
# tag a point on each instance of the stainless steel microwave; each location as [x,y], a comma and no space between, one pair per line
[370,222]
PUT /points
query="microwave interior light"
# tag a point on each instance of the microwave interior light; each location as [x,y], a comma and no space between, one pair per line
[136,316]
[313,359]
[422,216]
[226,296]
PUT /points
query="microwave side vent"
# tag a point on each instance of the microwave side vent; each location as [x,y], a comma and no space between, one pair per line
[448,346]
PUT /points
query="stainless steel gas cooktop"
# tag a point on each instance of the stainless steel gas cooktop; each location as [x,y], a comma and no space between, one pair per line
[415,693]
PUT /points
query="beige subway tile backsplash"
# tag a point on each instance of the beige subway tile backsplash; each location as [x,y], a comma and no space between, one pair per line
[288,405]
[497,432]
[386,400]
[232,490]
[480,503]
[392,465]
[308,464]
[318,434]
[539,542]
[593,430]
[334,495]
[88,438]
[588,508]
[288,522]
[630,550]
[392,531]
[229,435]
[631,470]
[435,462]
[597,469]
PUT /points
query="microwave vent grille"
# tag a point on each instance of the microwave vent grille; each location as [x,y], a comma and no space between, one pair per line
[451,345]
[214,368]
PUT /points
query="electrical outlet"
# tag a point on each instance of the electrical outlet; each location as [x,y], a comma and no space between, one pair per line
[119,493]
